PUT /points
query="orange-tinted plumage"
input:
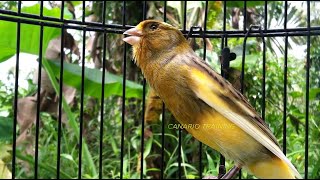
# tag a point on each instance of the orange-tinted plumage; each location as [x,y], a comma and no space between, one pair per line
[153,107]
[195,94]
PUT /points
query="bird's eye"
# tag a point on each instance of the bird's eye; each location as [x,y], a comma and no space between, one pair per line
[153,26]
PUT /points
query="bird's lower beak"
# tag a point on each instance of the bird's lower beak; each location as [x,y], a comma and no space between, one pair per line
[134,36]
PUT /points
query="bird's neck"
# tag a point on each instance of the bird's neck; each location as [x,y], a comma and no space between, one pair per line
[151,62]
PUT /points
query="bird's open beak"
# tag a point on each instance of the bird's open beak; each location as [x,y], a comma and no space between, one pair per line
[134,36]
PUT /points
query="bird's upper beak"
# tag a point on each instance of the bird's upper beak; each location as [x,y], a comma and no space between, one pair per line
[134,36]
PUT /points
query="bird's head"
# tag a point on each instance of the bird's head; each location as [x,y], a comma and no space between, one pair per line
[152,38]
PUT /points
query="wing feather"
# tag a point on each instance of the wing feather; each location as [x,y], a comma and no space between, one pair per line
[220,95]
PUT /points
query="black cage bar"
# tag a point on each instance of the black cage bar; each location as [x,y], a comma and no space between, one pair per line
[260,31]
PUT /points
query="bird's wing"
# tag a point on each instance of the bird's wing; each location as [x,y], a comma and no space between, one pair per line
[221,96]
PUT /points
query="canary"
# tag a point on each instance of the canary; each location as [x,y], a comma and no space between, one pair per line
[213,111]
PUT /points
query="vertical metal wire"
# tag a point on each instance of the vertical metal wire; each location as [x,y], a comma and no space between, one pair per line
[205,30]
[165,11]
[82,89]
[223,27]
[163,108]
[124,67]
[162,140]
[102,90]
[16,87]
[184,26]
[245,17]
[224,39]
[38,97]
[179,154]
[243,56]
[180,131]
[284,145]
[263,106]
[242,64]
[60,92]
[223,44]
[142,128]
[307,94]
[266,15]
[204,58]
[143,104]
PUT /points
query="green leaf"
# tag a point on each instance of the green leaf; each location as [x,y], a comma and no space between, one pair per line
[4,171]
[6,127]
[35,9]
[210,161]
[68,157]
[71,120]
[114,145]
[240,4]
[147,149]
[191,176]
[313,92]
[93,81]
[296,94]
[5,52]
[76,3]
[250,60]
[29,34]
[4,151]
[49,167]
[183,165]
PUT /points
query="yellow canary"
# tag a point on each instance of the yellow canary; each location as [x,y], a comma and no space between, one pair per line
[212,110]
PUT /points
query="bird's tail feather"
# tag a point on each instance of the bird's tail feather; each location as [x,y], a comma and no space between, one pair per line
[274,168]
